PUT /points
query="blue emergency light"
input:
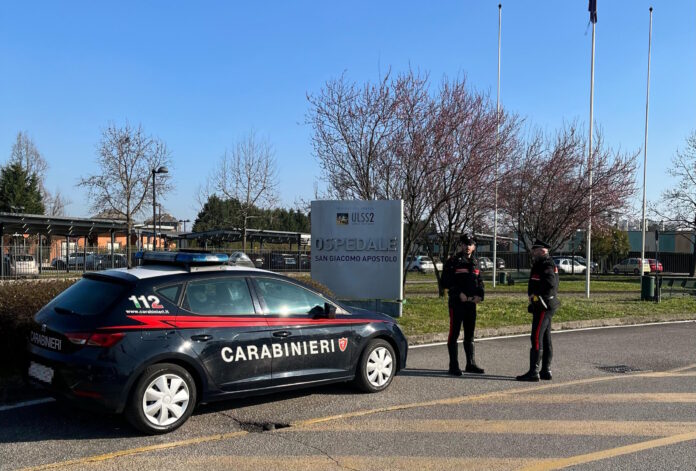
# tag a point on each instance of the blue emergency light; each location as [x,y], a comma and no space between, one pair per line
[183,258]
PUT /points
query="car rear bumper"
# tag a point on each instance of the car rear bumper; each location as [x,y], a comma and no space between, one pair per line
[78,378]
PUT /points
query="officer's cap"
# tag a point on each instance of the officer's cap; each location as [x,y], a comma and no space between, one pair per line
[540,244]
[467,239]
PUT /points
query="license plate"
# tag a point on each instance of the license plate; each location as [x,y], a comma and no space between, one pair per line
[41,372]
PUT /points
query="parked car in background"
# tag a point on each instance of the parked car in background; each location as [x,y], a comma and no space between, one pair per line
[583,261]
[258,261]
[655,265]
[94,261]
[568,265]
[20,265]
[420,263]
[283,261]
[485,263]
[75,260]
[104,262]
[632,265]
[240,259]
[438,265]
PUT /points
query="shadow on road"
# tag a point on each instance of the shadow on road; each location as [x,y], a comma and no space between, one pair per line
[443,374]
[62,421]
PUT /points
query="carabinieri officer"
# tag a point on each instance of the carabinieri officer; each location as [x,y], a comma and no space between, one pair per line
[543,302]
[462,278]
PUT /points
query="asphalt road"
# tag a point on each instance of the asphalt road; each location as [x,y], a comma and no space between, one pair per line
[621,398]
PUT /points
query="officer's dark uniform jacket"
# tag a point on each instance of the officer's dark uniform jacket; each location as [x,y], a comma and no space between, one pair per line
[462,275]
[543,282]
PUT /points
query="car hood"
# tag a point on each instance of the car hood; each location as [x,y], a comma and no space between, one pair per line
[365,313]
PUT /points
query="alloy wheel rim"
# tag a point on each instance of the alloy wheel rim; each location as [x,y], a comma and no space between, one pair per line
[166,399]
[380,366]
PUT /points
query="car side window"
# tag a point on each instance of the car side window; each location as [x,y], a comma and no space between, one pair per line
[286,298]
[220,296]
[170,293]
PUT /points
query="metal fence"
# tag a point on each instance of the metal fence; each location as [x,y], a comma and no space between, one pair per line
[59,260]
[510,260]
[671,262]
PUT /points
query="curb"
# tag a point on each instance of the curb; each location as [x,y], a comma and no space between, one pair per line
[437,337]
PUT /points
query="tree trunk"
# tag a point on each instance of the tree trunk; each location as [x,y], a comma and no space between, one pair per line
[128,243]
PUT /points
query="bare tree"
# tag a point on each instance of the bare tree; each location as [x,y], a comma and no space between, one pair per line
[247,174]
[56,203]
[545,191]
[678,203]
[400,139]
[353,128]
[25,153]
[123,183]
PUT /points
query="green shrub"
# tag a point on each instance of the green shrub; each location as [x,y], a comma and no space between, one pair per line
[19,301]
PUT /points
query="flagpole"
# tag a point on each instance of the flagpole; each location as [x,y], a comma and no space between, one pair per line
[588,267]
[645,147]
[497,139]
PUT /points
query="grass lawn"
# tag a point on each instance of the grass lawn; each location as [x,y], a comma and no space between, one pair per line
[424,315]
[506,305]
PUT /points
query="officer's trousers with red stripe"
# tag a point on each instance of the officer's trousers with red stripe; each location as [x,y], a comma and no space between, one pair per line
[541,334]
[461,314]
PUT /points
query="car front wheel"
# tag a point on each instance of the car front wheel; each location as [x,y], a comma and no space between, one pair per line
[377,366]
[163,399]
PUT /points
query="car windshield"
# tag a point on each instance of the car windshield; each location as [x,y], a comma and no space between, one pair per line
[22,258]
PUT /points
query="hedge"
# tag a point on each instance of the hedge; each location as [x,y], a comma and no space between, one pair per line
[19,301]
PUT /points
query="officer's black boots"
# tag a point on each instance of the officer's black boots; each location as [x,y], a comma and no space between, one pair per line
[454,371]
[546,357]
[532,374]
[471,359]
[454,362]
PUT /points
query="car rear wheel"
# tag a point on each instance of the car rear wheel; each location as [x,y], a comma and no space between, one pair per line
[635,271]
[377,366]
[163,399]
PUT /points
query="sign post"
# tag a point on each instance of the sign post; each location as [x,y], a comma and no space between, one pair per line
[357,250]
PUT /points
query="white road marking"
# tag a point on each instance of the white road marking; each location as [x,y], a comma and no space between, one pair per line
[561,331]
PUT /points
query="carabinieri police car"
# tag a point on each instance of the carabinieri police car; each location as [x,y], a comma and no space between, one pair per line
[187,328]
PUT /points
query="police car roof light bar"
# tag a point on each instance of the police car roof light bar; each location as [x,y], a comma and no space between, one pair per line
[185,259]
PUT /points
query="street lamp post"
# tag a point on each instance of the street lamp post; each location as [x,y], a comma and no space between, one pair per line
[184,221]
[154,205]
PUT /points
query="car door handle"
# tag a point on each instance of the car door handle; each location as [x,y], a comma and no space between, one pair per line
[281,333]
[201,338]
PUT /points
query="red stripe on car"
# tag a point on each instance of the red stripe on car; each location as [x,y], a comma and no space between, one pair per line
[189,322]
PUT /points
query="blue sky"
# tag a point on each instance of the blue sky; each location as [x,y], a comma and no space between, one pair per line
[200,75]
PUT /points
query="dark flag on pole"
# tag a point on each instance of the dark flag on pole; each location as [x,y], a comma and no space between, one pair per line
[593,11]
